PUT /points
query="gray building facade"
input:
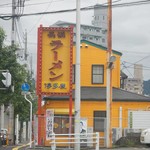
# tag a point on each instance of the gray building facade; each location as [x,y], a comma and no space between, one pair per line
[96,32]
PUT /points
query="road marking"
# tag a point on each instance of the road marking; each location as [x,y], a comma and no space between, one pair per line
[16,148]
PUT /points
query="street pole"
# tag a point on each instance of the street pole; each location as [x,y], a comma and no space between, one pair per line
[11,115]
[30,118]
[13,23]
[17,129]
[77,77]
[2,116]
[25,42]
[109,78]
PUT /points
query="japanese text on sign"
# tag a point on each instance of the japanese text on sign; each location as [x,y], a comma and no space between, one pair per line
[56,46]
[49,123]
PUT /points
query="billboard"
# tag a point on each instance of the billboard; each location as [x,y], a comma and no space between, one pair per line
[54,61]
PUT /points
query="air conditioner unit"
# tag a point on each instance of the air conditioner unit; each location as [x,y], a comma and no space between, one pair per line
[117,134]
[127,131]
[90,140]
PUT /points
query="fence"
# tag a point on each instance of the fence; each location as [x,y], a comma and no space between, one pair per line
[87,140]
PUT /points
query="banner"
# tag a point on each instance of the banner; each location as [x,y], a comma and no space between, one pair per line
[49,123]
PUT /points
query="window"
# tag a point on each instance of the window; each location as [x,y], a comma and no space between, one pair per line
[103,17]
[91,38]
[103,31]
[103,40]
[97,30]
[73,74]
[61,124]
[97,74]
[97,38]
[84,37]
[99,121]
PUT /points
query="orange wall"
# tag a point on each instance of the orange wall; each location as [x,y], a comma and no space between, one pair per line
[88,108]
[93,55]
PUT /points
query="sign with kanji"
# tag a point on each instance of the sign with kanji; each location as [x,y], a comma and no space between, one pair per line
[54,67]
[49,123]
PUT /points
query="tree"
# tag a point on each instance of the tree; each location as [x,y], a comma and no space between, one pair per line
[19,75]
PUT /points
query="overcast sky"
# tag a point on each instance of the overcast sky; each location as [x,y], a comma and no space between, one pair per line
[131,27]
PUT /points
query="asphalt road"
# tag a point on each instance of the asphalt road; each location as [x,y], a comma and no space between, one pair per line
[6,147]
[129,148]
[46,148]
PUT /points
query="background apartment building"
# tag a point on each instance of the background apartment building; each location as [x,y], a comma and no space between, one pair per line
[135,84]
[96,32]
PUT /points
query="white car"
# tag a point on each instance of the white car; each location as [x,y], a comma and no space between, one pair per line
[145,136]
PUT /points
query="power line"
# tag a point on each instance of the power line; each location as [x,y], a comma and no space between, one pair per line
[127,69]
[139,60]
[131,64]
[82,9]
[33,4]
[40,17]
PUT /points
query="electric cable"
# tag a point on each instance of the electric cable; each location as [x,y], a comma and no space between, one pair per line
[83,8]
[40,16]
[132,64]
[127,70]
[139,60]
[18,35]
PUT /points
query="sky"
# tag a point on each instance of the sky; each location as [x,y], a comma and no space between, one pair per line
[130,27]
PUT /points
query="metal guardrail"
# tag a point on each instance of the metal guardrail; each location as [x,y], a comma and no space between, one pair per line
[71,139]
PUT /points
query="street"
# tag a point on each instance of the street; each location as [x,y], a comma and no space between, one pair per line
[6,147]
[48,148]
[129,148]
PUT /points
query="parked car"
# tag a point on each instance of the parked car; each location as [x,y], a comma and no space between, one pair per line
[3,136]
[145,137]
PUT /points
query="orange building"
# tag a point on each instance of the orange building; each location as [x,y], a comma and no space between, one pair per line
[93,96]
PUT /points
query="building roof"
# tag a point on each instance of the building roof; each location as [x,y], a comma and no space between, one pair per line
[99,94]
[58,23]
[100,46]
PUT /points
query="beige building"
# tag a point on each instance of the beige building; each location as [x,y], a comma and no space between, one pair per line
[135,84]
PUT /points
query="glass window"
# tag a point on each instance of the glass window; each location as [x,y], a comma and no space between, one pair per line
[61,124]
[103,40]
[99,121]
[97,74]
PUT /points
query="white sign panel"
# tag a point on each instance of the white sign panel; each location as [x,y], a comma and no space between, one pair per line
[139,119]
[49,123]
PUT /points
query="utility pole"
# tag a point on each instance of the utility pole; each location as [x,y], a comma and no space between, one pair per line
[13,23]
[2,116]
[31,64]
[25,48]
[77,76]
[11,107]
[109,79]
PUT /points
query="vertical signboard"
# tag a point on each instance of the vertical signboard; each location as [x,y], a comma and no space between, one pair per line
[49,123]
[54,65]
[83,126]
[83,131]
